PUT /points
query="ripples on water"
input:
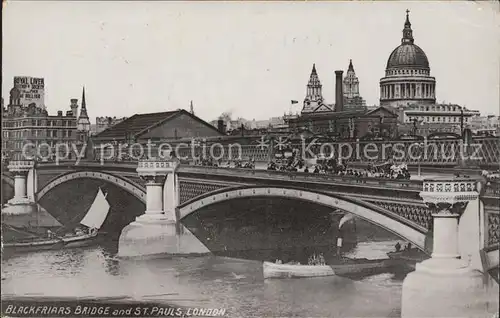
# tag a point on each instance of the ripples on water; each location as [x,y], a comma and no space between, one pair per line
[236,285]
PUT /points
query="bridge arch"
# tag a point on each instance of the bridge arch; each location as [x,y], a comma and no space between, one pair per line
[372,213]
[131,187]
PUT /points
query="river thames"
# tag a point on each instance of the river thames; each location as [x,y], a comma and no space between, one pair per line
[211,282]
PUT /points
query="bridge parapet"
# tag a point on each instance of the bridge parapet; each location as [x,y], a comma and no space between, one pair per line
[401,184]
[492,189]
[450,190]
[21,166]
[481,151]
[155,167]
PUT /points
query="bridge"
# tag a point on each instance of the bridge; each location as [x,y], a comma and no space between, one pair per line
[395,205]
[456,220]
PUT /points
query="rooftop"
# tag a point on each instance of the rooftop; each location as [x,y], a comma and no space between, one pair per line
[136,124]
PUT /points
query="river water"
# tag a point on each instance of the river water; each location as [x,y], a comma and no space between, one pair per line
[209,282]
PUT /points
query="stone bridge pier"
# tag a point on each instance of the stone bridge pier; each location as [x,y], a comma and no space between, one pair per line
[448,284]
[158,232]
[25,186]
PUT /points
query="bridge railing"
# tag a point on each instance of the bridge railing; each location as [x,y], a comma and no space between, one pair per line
[481,152]
[304,177]
[492,188]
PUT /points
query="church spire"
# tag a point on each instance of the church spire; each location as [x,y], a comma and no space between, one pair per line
[407,31]
[314,86]
[83,122]
[351,82]
[351,68]
[314,95]
[83,111]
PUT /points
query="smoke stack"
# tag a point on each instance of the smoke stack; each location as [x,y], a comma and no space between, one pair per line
[220,126]
[339,93]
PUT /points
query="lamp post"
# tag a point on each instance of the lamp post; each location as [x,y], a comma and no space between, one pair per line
[420,147]
[462,123]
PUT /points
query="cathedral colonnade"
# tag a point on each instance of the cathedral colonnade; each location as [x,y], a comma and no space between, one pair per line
[404,90]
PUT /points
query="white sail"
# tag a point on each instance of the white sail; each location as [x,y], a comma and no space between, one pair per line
[97,213]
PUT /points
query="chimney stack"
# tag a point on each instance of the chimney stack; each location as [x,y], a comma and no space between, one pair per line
[220,126]
[74,106]
[339,93]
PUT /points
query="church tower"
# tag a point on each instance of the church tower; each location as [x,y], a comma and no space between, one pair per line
[352,98]
[351,82]
[83,123]
[314,95]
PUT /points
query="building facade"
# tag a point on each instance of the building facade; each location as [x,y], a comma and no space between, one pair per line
[379,122]
[438,113]
[338,120]
[485,125]
[31,128]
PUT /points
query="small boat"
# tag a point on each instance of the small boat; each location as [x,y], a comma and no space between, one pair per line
[362,265]
[344,266]
[407,257]
[273,270]
[31,242]
[93,221]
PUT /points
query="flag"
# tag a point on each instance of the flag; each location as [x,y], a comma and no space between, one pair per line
[295,101]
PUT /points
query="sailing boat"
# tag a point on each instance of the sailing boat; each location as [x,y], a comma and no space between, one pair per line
[28,241]
[92,221]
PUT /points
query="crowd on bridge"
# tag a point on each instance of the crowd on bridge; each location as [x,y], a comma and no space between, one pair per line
[293,163]
[491,176]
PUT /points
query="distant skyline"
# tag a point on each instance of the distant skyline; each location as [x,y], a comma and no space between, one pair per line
[247,58]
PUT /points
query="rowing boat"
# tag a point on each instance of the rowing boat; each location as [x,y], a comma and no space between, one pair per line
[272,270]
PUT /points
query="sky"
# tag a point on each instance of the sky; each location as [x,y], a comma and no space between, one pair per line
[247,58]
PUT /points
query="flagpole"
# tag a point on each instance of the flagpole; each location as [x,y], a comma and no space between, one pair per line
[292,101]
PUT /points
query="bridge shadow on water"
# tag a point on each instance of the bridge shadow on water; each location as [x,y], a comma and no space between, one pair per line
[264,228]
